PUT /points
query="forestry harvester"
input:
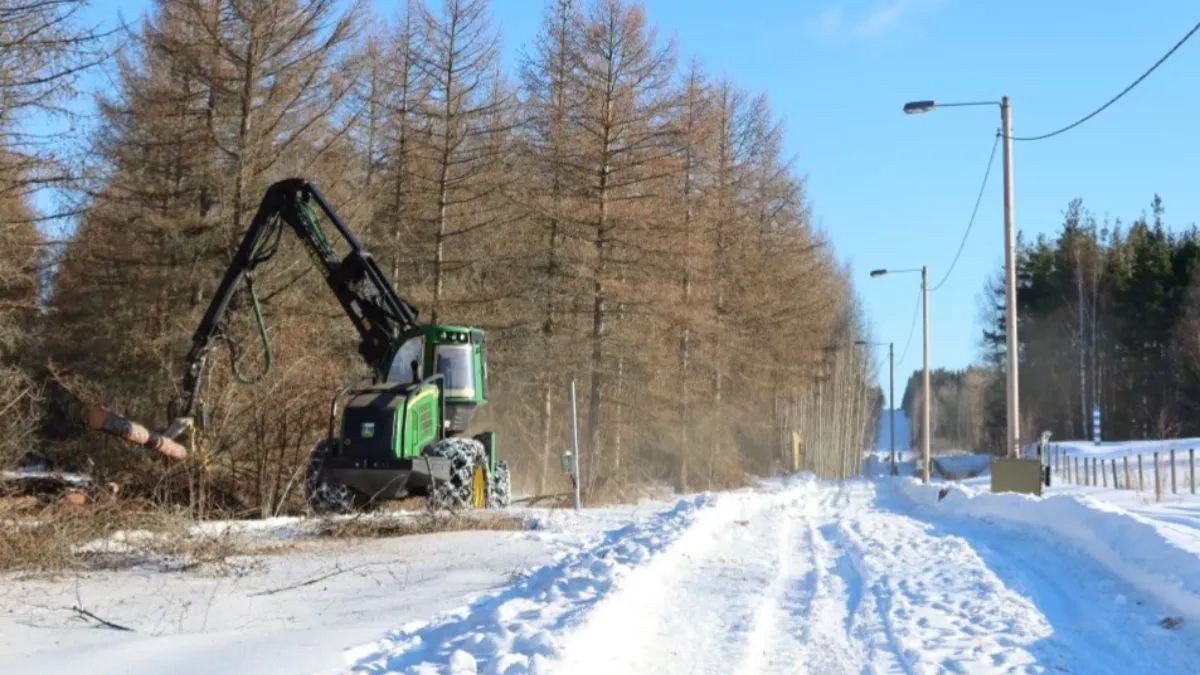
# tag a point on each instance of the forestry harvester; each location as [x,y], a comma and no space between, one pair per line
[400,429]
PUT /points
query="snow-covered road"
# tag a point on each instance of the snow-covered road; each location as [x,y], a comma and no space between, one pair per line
[791,576]
[805,576]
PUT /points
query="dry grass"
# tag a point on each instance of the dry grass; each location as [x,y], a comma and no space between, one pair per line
[403,525]
[111,533]
[62,537]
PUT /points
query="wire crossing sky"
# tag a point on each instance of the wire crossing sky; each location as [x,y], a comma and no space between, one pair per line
[974,212]
[1116,98]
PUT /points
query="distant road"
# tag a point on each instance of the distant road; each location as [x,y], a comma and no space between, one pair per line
[903,431]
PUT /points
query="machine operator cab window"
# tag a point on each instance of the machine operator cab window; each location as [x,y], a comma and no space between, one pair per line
[407,364]
[455,363]
[453,360]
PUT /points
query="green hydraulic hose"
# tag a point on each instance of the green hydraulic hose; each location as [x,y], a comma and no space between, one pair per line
[318,235]
[262,334]
[312,225]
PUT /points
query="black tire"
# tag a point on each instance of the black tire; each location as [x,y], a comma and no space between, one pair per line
[465,454]
[325,496]
[500,487]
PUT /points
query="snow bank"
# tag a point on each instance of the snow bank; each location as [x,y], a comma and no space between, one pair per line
[880,464]
[958,466]
[1129,546]
[515,630]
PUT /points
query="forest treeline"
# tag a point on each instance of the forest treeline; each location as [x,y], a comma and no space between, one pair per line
[608,214]
[1109,316]
[964,405]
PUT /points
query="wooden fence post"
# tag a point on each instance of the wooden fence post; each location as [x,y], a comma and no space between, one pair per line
[1173,471]
[1103,475]
[1157,478]
[1192,468]
[1087,471]
[1125,460]
[1141,479]
[1095,469]
[1075,470]
[1114,470]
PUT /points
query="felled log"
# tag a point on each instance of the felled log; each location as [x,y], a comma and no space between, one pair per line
[109,422]
[24,489]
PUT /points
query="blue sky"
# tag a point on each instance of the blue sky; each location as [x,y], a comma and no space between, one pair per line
[890,190]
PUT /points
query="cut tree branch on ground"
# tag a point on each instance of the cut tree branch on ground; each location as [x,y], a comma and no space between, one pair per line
[102,622]
[319,578]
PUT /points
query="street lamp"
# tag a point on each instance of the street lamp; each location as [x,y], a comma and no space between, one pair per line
[925,396]
[891,395]
[1010,259]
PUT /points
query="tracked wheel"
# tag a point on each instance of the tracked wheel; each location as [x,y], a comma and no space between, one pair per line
[323,495]
[467,487]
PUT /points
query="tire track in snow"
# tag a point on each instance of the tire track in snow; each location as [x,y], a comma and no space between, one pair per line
[776,625]
[808,626]
[824,644]
[517,629]
[938,608]
[696,607]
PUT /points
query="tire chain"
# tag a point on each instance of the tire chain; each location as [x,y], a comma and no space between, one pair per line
[322,495]
[464,453]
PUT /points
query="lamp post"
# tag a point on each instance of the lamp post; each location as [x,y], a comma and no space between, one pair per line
[1010,261]
[891,396]
[925,395]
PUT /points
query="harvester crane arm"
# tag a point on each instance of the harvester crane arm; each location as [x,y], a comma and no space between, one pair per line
[378,313]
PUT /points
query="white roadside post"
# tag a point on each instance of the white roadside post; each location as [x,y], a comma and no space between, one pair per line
[571,459]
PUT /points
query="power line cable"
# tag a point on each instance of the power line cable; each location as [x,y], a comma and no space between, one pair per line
[974,212]
[911,329]
[1114,99]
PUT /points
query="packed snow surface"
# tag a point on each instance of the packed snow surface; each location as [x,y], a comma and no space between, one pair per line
[805,576]
[793,576]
